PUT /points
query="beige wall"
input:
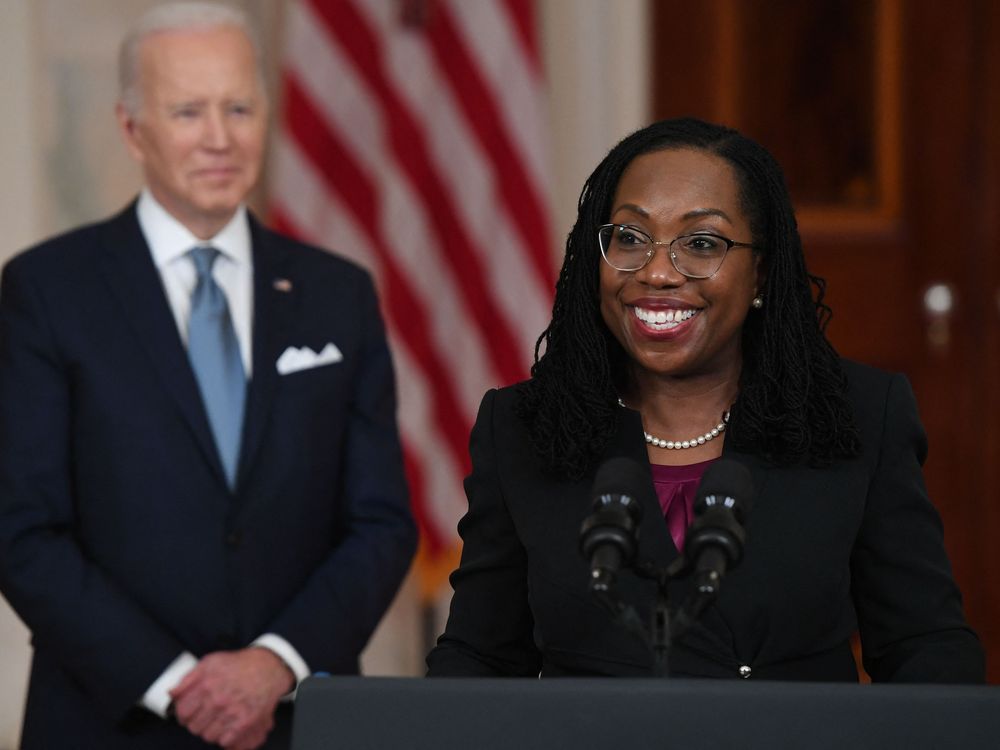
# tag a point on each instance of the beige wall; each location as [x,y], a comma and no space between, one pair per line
[64,165]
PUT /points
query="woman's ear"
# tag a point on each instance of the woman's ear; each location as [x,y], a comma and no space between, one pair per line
[761,273]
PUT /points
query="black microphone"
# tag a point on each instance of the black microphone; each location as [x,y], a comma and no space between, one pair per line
[714,541]
[610,535]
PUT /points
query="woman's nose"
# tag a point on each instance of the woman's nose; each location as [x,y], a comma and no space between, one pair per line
[660,270]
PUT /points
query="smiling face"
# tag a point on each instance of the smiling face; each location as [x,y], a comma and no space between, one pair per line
[200,130]
[668,324]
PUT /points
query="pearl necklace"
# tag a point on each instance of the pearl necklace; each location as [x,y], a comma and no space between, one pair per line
[693,442]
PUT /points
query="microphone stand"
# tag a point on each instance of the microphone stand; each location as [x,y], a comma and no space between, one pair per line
[609,539]
[663,628]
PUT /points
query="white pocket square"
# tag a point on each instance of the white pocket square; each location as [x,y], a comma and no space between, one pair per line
[294,359]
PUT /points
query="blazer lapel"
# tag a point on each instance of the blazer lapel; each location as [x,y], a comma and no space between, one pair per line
[760,470]
[655,542]
[134,281]
[275,299]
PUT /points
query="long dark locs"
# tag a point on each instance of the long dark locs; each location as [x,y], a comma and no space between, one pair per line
[792,405]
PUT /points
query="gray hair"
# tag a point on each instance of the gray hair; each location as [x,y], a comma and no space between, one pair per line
[177,16]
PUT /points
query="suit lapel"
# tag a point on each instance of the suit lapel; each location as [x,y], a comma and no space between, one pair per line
[655,541]
[760,470]
[134,281]
[275,298]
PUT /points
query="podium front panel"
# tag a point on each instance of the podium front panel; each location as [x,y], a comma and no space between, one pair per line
[627,714]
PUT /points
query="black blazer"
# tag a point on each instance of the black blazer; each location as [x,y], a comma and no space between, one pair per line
[828,551]
[120,543]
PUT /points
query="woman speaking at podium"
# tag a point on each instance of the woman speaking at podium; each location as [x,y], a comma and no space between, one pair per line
[686,329]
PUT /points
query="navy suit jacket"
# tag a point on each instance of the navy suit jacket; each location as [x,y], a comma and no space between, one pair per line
[121,545]
[856,545]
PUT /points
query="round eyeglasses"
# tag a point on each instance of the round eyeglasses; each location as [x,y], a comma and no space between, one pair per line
[696,256]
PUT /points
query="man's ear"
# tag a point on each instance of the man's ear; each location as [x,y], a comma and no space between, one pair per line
[127,126]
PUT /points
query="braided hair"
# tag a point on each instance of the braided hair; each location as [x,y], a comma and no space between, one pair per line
[792,405]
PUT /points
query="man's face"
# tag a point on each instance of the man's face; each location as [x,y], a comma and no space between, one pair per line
[200,130]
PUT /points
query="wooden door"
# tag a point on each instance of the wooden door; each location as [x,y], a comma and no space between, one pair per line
[885,115]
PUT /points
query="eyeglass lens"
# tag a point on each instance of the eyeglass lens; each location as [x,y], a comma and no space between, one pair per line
[694,255]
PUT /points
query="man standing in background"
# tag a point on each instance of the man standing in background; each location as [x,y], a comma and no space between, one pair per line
[201,488]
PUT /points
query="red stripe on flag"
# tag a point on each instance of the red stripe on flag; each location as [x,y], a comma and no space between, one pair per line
[481,111]
[407,310]
[410,149]
[522,18]
[280,223]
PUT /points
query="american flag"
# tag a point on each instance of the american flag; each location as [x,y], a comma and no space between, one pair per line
[411,140]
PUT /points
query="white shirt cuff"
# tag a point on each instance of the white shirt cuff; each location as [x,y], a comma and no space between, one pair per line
[287,653]
[157,698]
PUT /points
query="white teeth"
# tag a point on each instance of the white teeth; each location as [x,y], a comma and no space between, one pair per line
[662,320]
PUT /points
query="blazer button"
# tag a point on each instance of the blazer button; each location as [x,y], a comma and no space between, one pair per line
[234,539]
[745,671]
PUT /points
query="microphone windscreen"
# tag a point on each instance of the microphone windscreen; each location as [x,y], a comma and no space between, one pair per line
[729,478]
[622,476]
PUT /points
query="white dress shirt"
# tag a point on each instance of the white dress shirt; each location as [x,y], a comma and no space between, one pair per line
[169,242]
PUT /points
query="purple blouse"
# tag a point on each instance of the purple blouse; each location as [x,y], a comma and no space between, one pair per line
[676,487]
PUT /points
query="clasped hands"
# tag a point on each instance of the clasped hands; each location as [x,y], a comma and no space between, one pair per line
[229,699]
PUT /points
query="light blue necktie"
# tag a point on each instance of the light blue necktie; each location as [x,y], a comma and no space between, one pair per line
[214,352]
